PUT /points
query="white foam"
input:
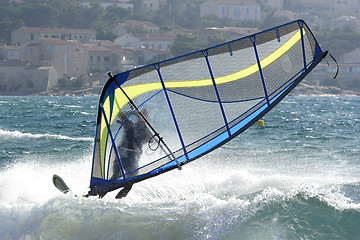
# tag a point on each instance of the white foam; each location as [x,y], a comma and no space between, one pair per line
[6,136]
[200,194]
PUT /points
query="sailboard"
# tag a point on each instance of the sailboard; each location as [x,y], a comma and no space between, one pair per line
[60,184]
[192,104]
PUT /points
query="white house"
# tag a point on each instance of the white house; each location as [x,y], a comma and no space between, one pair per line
[274,4]
[159,42]
[236,10]
[11,53]
[128,41]
[149,27]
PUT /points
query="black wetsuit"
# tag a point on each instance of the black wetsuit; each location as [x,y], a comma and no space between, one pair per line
[130,150]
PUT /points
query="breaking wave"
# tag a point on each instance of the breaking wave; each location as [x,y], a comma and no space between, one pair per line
[6,136]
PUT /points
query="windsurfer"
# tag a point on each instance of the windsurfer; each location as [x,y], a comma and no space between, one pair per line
[136,134]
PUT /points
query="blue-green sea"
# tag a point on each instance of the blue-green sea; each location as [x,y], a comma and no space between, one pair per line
[295,177]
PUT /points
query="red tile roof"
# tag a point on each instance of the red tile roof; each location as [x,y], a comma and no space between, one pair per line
[56,30]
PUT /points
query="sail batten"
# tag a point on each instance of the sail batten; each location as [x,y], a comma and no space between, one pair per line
[194,103]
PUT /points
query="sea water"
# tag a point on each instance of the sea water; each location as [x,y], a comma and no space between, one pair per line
[295,177]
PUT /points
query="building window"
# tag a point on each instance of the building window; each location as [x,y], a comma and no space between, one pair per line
[29,84]
[237,13]
[31,36]
[49,49]
[107,59]
[223,11]
[46,36]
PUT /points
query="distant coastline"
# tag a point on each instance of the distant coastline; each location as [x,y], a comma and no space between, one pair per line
[310,90]
[301,90]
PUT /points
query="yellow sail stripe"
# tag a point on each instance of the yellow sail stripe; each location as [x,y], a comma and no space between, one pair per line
[136,90]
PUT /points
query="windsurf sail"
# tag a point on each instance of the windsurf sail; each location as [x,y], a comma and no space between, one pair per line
[170,113]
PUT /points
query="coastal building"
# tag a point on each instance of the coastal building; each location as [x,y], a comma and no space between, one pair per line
[36,65]
[126,58]
[228,33]
[153,41]
[129,41]
[127,4]
[348,75]
[345,5]
[131,26]
[10,53]
[99,58]
[69,58]
[330,6]
[274,4]
[343,21]
[320,6]
[104,43]
[26,34]
[148,55]
[153,4]
[232,9]
[22,78]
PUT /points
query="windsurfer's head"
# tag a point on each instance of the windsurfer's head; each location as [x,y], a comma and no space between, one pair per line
[145,112]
